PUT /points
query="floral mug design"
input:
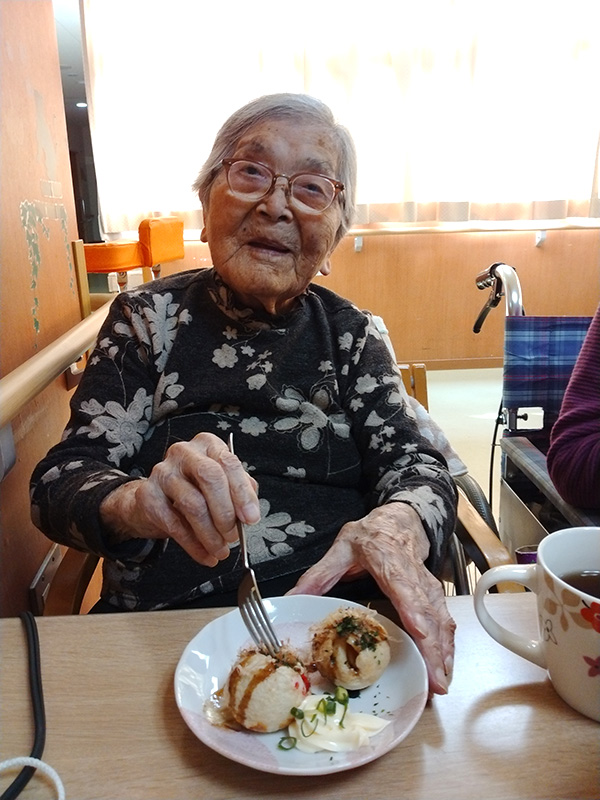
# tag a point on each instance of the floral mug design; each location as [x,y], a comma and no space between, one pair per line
[569,619]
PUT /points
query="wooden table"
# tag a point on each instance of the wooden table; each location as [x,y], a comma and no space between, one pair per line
[115,732]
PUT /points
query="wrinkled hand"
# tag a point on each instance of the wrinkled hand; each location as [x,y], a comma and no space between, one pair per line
[391,545]
[192,496]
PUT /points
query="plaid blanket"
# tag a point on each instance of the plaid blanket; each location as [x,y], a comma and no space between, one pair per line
[539,356]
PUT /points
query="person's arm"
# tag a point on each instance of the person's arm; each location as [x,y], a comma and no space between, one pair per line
[86,493]
[414,501]
[574,454]
[399,464]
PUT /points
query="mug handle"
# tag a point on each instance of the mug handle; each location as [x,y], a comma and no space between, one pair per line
[531,649]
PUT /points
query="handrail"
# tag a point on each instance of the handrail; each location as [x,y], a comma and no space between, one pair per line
[28,380]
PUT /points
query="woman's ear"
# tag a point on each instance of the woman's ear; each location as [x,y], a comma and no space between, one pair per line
[203,235]
[325,267]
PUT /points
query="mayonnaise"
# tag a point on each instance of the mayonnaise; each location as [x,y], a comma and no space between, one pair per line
[327,725]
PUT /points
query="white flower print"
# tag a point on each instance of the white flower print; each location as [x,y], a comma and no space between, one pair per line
[248,351]
[168,388]
[345,341]
[365,384]
[309,417]
[163,325]
[225,356]
[51,475]
[295,472]
[375,442]
[268,538]
[230,333]
[98,479]
[160,321]
[253,425]
[106,344]
[261,361]
[395,399]
[123,427]
[430,505]
[325,366]
[256,381]
[373,420]
[290,400]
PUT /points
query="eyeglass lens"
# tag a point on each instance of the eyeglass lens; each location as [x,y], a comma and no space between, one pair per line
[253,181]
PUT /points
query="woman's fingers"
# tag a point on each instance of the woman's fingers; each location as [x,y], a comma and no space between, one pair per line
[431,627]
[418,598]
[193,496]
[171,519]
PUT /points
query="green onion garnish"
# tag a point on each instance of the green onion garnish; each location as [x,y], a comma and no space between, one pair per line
[314,719]
[341,695]
[287,743]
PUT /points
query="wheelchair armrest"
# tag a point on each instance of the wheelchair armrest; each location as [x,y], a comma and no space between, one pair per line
[526,457]
[70,583]
[480,542]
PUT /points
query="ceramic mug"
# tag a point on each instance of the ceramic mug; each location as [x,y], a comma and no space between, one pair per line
[569,617]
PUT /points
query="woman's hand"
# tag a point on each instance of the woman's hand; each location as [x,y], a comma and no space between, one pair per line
[391,545]
[193,496]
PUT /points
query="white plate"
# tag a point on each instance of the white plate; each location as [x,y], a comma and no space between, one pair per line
[399,696]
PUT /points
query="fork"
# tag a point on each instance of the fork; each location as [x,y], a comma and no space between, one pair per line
[252,609]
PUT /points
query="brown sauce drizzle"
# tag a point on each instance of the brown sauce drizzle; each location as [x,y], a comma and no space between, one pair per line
[258,677]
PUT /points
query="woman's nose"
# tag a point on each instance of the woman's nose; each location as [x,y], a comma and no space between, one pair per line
[277,202]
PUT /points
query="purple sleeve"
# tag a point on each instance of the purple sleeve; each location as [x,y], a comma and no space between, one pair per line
[574,454]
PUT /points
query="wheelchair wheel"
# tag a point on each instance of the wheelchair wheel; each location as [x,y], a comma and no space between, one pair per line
[462,551]
[477,498]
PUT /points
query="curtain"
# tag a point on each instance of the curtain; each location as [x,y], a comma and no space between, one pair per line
[461,110]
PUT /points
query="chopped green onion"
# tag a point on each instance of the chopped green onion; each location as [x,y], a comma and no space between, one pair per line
[341,695]
[341,723]
[329,706]
[314,719]
[297,713]
[287,743]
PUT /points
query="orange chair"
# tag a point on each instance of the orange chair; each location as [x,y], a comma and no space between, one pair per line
[160,239]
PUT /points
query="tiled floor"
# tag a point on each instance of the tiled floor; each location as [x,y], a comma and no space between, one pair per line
[465,404]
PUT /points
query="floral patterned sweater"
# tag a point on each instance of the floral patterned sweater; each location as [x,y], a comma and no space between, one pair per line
[319,417]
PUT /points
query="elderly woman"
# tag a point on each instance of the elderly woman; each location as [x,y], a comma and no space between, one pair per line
[330,475]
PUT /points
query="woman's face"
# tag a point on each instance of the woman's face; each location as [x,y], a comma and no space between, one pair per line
[266,250]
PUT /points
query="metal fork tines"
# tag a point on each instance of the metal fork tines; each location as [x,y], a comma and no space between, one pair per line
[252,609]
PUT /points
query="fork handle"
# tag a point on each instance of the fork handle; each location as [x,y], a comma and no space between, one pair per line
[239,524]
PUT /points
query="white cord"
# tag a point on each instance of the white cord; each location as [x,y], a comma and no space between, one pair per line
[46,769]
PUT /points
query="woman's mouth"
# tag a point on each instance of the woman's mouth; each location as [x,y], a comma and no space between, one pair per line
[268,244]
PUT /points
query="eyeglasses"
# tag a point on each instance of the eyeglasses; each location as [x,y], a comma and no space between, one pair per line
[309,193]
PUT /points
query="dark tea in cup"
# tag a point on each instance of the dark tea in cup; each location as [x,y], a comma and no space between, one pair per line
[584,580]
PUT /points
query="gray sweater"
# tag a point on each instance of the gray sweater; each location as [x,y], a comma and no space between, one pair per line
[314,401]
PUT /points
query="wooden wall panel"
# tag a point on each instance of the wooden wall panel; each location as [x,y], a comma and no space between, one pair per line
[423,285]
[38,293]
